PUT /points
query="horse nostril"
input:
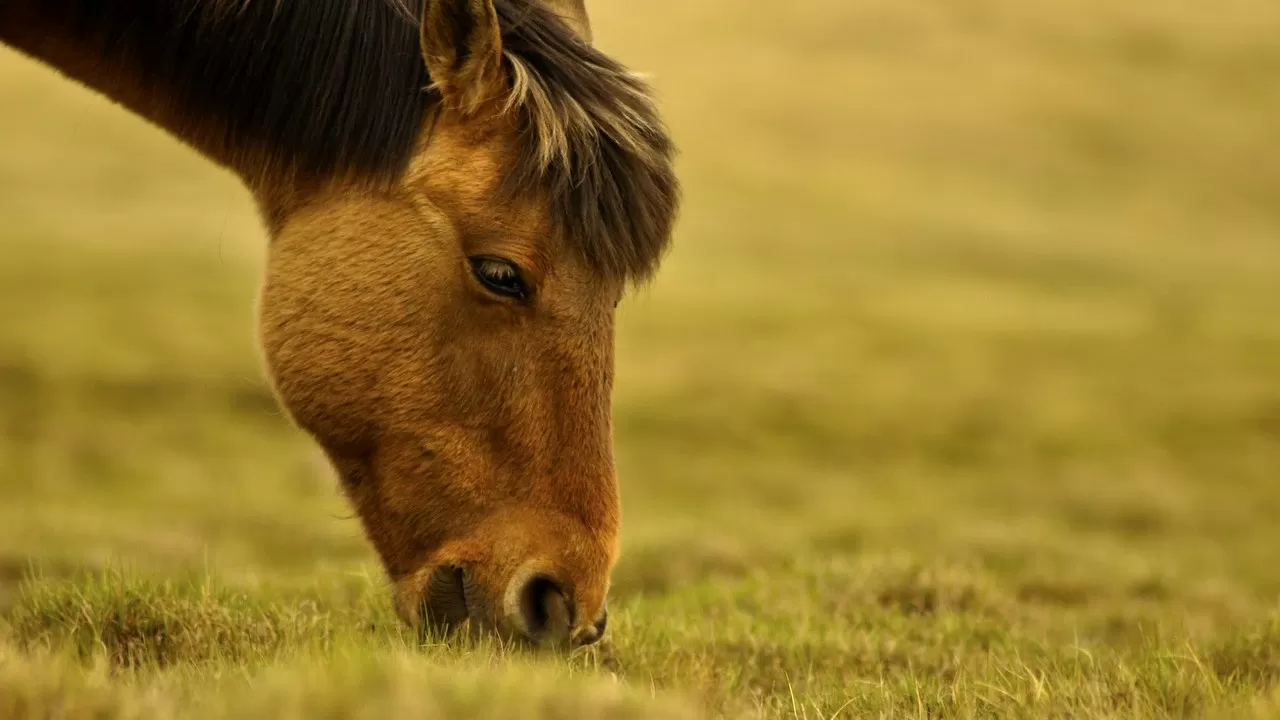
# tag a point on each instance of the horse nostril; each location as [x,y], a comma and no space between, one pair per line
[445,603]
[544,610]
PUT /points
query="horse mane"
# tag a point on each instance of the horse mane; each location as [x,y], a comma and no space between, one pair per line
[308,89]
[592,138]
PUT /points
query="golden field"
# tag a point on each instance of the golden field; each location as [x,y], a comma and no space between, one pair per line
[958,397]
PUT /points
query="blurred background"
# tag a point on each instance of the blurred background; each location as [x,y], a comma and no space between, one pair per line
[991,281]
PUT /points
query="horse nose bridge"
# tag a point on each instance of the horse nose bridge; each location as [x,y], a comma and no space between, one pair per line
[578,371]
[555,424]
[577,550]
[578,445]
[581,508]
[581,417]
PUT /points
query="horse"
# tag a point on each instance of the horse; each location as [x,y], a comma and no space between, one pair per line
[456,195]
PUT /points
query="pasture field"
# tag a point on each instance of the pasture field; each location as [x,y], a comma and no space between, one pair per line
[959,396]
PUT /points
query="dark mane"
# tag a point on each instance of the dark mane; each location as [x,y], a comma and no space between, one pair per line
[328,88]
[592,139]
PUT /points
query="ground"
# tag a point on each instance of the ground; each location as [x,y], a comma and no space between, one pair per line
[960,395]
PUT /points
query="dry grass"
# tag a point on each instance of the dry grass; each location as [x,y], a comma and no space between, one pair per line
[959,397]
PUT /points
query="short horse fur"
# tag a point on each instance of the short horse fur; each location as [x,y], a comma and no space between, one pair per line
[458,193]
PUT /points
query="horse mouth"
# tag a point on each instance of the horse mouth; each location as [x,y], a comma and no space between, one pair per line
[445,606]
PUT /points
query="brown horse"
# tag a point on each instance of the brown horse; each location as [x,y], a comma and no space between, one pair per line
[457,196]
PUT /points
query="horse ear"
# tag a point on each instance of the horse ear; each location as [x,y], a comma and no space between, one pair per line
[462,46]
[574,14]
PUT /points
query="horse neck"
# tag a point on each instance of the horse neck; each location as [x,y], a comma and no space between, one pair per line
[288,94]
[86,46]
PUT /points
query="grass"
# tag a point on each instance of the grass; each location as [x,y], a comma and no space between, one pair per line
[959,397]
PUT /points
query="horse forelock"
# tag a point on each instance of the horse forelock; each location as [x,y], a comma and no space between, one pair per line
[305,90]
[591,139]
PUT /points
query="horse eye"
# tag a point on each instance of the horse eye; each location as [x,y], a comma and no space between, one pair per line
[500,277]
